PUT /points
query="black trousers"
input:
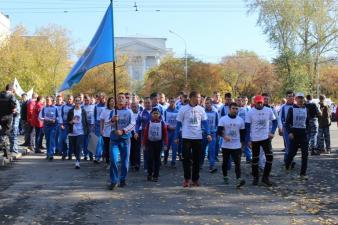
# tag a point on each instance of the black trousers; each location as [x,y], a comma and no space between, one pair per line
[154,158]
[5,131]
[106,146]
[191,152]
[267,148]
[236,156]
[299,141]
[135,152]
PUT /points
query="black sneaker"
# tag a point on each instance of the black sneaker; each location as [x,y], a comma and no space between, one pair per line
[165,162]
[266,181]
[96,161]
[212,170]
[50,158]
[155,179]
[63,157]
[240,182]
[293,164]
[112,186]
[255,181]
[122,183]
[85,158]
[313,152]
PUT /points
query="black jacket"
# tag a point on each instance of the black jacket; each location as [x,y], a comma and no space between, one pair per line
[7,104]
[84,121]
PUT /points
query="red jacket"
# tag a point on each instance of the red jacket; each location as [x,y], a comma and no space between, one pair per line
[30,112]
[164,132]
[37,109]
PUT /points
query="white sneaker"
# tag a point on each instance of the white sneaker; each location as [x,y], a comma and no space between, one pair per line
[77,165]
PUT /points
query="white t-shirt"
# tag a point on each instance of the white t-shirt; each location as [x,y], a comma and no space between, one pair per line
[77,126]
[105,114]
[259,120]
[191,119]
[232,126]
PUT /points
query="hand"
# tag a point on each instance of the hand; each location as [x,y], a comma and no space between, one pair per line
[291,136]
[250,144]
[62,127]
[177,141]
[271,135]
[101,132]
[143,148]
[115,119]
[227,138]
[209,138]
[136,136]
[119,132]
[165,148]
[280,131]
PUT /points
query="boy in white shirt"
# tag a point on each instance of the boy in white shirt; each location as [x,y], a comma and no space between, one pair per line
[232,129]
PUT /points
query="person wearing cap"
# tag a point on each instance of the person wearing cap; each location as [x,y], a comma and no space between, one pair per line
[154,135]
[119,141]
[296,125]
[259,133]
[191,118]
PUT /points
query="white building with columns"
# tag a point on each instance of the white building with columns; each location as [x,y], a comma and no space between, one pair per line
[5,26]
[143,53]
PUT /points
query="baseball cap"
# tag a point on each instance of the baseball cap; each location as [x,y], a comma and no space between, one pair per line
[259,98]
[300,94]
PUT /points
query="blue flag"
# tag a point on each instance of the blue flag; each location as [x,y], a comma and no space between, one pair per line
[99,51]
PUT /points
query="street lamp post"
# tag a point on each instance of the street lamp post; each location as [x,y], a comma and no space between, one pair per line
[185,56]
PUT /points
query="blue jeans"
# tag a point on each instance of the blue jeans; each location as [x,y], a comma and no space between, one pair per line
[117,147]
[85,145]
[50,139]
[75,145]
[13,138]
[324,136]
[99,146]
[211,150]
[63,147]
[57,138]
[313,133]
[247,151]
[173,146]
[38,138]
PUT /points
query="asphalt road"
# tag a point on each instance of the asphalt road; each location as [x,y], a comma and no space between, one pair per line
[35,191]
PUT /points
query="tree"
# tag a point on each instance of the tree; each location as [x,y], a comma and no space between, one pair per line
[169,77]
[40,60]
[304,31]
[247,74]
[100,79]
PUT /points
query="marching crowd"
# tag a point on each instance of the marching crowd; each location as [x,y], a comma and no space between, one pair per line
[132,131]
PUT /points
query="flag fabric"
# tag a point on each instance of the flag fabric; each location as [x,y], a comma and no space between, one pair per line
[17,87]
[30,93]
[99,51]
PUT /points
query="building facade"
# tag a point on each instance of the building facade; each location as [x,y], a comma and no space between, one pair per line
[143,54]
